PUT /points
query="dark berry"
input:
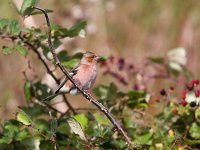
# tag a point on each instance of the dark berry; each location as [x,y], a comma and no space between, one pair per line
[192,104]
[183,94]
[197,93]
[103,63]
[136,87]
[163,92]
[195,82]
[183,103]
[131,67]
[175,111]
[121,63]
[171,88]
[190,86]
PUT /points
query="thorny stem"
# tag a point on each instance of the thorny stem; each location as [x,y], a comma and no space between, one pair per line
[85,94]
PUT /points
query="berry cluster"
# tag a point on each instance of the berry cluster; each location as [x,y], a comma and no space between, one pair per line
[136,76]
[189,95]
[117,68]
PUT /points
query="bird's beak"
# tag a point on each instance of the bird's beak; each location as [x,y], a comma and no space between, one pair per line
[97,58]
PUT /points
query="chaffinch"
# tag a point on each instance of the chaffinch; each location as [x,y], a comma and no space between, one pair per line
[84,74]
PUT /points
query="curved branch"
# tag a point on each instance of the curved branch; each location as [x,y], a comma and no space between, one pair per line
[85,94]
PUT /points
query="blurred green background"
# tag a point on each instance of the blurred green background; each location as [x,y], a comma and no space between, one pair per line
[133,29]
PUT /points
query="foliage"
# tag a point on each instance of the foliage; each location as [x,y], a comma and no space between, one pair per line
[40,126]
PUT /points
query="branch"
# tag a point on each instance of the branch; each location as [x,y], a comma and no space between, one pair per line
[85,94]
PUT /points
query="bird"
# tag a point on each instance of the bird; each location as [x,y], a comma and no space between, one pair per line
[84,74]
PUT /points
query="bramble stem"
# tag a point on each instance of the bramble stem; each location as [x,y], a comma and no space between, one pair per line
[85,94]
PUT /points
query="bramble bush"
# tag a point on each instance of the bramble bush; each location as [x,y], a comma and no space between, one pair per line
[169,119]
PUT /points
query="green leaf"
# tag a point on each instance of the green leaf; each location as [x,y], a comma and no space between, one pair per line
[23,117]
[22,50]
[3,23]
[101,119]
[6,50]
[56,43]
[46,51]
[63,56]
[10,129]
[195,130]
[5,140]
[82,119]
[22,135]
[26,7]
[106,92]
[63,128]
[27,90]
[36,110]
[32,143]
[197,115]
[144,139]
[42,125]
[136,98]
[74,31]
[41,91]
[14,27]
[158,60]
[71,63]
[76,128]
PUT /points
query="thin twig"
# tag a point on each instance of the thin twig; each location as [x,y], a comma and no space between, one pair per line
[44,104]
[85,94]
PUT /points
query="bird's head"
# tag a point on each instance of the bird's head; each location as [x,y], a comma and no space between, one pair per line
[89,58]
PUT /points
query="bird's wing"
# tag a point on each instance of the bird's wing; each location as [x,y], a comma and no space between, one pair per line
[72,72]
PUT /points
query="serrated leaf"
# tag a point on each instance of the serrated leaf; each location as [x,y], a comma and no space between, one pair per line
[26,7]
[14,27]
[101,119]
[6,50]
[76,128]
[22,135]
[27,90]
[23,117]
[82,119]
[3,23]
[195,130]
[22,50]
[144,139]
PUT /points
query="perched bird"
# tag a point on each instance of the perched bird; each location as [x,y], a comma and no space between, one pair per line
[84,74]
